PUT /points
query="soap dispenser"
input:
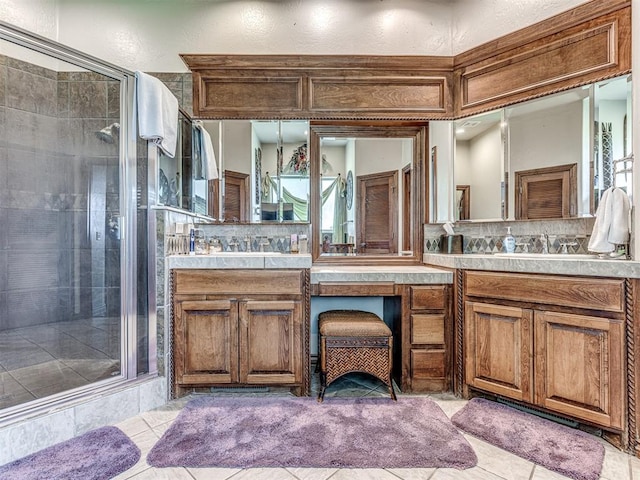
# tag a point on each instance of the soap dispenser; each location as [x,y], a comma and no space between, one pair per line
[509,242]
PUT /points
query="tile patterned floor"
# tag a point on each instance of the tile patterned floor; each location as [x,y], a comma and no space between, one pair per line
[493,463]
[41,360]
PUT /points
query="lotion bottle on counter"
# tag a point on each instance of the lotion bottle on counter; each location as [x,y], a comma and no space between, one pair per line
[509,242]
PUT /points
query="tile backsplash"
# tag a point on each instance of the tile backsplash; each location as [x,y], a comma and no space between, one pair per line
[487,237]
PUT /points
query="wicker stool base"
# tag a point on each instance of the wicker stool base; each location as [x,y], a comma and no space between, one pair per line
[340,355]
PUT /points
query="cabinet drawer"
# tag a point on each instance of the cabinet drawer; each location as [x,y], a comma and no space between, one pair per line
[426,298]
[592,293]
[427,363]
[427,329]
[238,282]
[350,289]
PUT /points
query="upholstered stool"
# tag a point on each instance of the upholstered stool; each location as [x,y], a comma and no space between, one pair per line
[353,341]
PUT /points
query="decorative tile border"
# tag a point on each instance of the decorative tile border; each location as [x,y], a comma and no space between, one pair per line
[487,237]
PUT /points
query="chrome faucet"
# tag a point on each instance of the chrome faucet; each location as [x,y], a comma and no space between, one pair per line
[544,239]
[233,244]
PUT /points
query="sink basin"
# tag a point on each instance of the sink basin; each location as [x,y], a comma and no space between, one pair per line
[549,256]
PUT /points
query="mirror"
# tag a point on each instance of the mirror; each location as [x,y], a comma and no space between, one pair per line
[508,162]
[264,167]
[366,191]
[181,180]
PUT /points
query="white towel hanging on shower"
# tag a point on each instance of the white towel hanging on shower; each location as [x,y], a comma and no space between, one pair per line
[157,113]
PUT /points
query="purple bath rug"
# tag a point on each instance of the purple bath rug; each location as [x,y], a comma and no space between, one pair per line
[300,432]
[96,455]
[565,450]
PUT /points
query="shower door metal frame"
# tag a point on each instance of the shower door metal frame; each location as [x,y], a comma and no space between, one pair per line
[128,231]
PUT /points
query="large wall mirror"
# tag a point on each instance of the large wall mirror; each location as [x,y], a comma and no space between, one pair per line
[551,157]
[263,171]
[366,192]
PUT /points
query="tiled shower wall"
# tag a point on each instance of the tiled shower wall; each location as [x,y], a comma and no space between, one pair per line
[487,237]
[48,154]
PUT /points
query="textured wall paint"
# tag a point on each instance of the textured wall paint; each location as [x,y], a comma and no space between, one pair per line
[38,16]
[476,22]
[149,34]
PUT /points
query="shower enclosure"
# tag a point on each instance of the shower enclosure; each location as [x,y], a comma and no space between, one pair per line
[73,226]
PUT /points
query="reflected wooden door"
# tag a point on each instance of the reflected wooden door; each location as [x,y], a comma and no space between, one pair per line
[549,192]
[377,213]
[236,196]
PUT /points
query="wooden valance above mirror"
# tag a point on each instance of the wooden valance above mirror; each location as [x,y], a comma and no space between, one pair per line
[584,45]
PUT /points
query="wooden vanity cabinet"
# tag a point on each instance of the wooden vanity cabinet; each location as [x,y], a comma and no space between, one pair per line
[240,327]
[425,338]
[555,342]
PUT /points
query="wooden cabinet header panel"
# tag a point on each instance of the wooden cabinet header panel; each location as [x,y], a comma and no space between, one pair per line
[238,282]
[580,292]
[363,89]
[570,56]
[588,43]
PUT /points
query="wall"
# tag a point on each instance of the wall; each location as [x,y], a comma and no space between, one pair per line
[486,175]
[143,36]
[38,16]
[475,22]
[441,137]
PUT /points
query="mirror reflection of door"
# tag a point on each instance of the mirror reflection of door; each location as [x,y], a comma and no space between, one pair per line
[546,192]
[377,211]
[463,202]
[236,196]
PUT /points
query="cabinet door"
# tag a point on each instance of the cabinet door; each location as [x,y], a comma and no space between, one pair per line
[271,342]
[499,347]
[579,366]
[206,343]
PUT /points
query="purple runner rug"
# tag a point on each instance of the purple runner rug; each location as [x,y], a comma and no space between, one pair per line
[300,432]
[565,450]
[96,455]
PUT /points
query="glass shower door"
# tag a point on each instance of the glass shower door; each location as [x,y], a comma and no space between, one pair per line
[61,319]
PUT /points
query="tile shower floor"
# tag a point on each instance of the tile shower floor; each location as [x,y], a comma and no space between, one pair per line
[493,463]
[41,360]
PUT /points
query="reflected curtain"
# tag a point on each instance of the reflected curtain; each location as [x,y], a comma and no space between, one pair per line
[300,205]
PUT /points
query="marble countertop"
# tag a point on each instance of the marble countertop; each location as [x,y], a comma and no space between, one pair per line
[553,264]
[410,274]
[248,260]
